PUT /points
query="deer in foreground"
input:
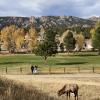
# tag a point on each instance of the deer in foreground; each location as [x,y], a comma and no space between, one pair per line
[69,88]
[3,90]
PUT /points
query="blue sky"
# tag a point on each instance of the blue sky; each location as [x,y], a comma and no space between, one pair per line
[79,8]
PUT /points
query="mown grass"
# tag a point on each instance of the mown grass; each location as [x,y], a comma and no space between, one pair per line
[59,60]
[10,90]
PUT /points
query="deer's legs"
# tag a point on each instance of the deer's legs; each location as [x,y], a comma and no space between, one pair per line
[67,95]
[76,95]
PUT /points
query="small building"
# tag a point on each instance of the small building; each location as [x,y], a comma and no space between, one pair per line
[88,44]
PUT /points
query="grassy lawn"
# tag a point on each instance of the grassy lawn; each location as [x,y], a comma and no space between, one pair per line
[60,60]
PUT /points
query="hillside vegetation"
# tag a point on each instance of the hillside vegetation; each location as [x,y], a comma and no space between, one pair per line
[45,21]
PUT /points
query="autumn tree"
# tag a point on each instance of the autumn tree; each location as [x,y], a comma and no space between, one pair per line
[18,36]
[92,32]
[7,38]
[79,38]
[33,39]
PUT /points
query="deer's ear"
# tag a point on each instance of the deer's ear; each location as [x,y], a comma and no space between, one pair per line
[58,93]
[64,86]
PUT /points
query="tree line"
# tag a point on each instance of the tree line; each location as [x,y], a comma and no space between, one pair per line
[16,38]
[13,38]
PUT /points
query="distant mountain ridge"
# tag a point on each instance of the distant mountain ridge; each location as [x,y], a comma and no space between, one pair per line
[46,21]
[95,18]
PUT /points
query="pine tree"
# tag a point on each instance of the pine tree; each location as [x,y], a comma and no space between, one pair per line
[96,38]
[48,47]
[69,41]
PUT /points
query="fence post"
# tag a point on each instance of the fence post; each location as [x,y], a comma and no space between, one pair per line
[64,70]
[21,70]
[49,70]
[78,69]
[93,69]
[6,70]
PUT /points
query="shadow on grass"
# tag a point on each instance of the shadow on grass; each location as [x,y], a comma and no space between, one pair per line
[84,55]
[71,63]
[5,63]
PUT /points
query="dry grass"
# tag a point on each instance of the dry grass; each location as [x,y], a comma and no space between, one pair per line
[89,87]
[10,90]
[26,70]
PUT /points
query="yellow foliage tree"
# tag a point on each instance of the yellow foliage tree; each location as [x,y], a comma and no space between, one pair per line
[19,38]
[33,39]
[79,40]
[92,32]
[12,38]
[7,38]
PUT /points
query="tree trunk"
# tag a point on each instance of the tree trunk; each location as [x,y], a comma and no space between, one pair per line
[45,57]
[99,51]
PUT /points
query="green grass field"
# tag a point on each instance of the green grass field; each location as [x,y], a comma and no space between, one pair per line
[60,60]
[71,63]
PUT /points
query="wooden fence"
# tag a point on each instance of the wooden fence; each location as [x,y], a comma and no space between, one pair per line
[50,70]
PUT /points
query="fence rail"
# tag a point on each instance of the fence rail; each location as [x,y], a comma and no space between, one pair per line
[50,70]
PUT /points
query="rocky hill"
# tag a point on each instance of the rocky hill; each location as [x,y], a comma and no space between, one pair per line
[94,18]
[46,21]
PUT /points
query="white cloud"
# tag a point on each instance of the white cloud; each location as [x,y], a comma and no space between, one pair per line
[81,8]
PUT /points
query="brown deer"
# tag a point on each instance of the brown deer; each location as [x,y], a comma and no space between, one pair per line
[3,91]
[69,88]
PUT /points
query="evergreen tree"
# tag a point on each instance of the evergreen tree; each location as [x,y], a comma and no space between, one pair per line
[69,41]
[48,47]
[96,37]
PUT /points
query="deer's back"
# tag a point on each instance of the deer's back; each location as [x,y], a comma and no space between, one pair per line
[72,87]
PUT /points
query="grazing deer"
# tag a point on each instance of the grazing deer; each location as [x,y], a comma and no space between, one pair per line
[3,91]
[69,88]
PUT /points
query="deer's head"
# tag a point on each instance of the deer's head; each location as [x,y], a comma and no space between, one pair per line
[61,91]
